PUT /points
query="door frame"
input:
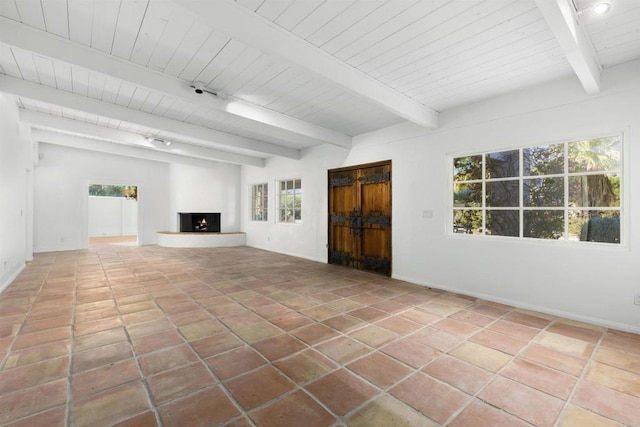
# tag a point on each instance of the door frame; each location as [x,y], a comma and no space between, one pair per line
[358,167]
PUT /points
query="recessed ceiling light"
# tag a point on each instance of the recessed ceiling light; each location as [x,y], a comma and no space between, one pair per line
[601,8]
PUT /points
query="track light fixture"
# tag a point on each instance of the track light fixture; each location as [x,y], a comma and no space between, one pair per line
[161,141]
[200,88]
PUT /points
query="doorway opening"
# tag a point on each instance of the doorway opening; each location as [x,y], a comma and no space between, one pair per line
[113,215]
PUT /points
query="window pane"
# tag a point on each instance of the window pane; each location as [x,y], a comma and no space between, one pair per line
[467,221]
[577,182]
[602,154]
[467,168]
[289,201]
[543,160]
[259,202]
[503,164]
[543,192]
[503,194]
[503,223]
[467,195]
[543,224]
[594,190]
[594,226]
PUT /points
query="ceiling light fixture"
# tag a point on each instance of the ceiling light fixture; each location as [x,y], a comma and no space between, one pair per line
[601,8]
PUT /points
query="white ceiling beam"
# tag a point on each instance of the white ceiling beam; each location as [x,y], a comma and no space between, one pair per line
[122,138]
[179,130]
[563,20]
[51,46]
[252,29]
[84,143]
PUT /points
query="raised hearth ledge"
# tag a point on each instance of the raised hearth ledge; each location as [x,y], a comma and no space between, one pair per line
[173,239]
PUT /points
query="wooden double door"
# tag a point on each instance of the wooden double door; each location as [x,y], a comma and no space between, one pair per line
[360,217]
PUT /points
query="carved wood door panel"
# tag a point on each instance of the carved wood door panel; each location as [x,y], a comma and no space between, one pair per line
[360,217]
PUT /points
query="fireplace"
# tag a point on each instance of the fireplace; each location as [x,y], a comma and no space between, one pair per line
[199,222]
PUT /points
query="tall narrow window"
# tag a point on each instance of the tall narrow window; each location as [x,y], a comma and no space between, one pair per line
[259,202]
[290,201]
[568,191]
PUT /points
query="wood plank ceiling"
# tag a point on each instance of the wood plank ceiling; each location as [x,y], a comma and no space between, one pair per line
[287,74]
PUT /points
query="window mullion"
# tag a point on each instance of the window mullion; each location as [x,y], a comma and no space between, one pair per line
[484,194]
[521,192]
[566,191]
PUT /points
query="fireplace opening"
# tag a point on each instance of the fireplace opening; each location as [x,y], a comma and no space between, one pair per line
[192,222]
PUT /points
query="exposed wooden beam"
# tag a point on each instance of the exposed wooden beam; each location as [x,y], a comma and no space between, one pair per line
[123,138]
[83,143]
[252,29]
[51,46]
[180,130]
[562,18]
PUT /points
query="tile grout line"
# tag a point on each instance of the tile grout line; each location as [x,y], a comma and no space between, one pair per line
[494,374]
[143,380]
[581,378]
[71,349]
[223,388]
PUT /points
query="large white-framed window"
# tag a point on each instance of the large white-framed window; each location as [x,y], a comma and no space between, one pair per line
[569,191]
[290,201]
[260,202]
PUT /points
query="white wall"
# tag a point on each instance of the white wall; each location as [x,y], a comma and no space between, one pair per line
[62,181]
[112,216]
[16,166]
[590,283]
[211,189]
[309,239]
[594,283]
[63,176]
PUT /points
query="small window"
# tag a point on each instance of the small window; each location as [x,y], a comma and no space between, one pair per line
[259,202]
[568,191]
[290,201]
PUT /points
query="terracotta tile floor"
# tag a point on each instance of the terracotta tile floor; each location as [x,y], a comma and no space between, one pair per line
[144,336]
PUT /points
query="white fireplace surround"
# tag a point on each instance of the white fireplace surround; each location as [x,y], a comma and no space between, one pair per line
[174,239]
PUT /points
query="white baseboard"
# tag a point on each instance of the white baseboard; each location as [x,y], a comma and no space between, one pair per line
[519,304]
[55,249]
[11,278]
[323,261]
